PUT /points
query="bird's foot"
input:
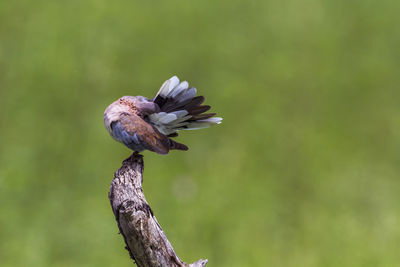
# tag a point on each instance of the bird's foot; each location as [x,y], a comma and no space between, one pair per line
[134,155]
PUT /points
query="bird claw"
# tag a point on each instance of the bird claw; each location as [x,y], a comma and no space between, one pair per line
[134,156]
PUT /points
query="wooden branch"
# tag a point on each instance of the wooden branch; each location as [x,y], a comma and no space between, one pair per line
[145,240]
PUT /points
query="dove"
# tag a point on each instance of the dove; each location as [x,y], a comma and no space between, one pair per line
[149,124]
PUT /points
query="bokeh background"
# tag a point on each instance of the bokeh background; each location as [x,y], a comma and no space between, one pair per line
[304,170]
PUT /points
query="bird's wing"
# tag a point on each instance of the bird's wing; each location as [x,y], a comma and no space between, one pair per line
[180,109]
[133,131]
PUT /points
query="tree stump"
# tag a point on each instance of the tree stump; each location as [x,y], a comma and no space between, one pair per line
[145,240]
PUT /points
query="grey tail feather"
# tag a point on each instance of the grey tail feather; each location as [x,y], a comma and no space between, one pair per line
[177,146]
[192,106]
[170,104]
[174,95]
[174,99]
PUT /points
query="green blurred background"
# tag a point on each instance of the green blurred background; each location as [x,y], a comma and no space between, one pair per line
[304,170]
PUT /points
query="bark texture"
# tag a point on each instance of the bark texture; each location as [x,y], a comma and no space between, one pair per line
[145,240]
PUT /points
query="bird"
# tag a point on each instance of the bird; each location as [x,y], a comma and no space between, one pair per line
[149,124]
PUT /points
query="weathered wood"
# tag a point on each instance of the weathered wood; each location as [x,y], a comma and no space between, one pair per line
[145,240]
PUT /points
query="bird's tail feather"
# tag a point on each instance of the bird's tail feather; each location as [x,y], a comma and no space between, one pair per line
[181,109]
[177,146]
